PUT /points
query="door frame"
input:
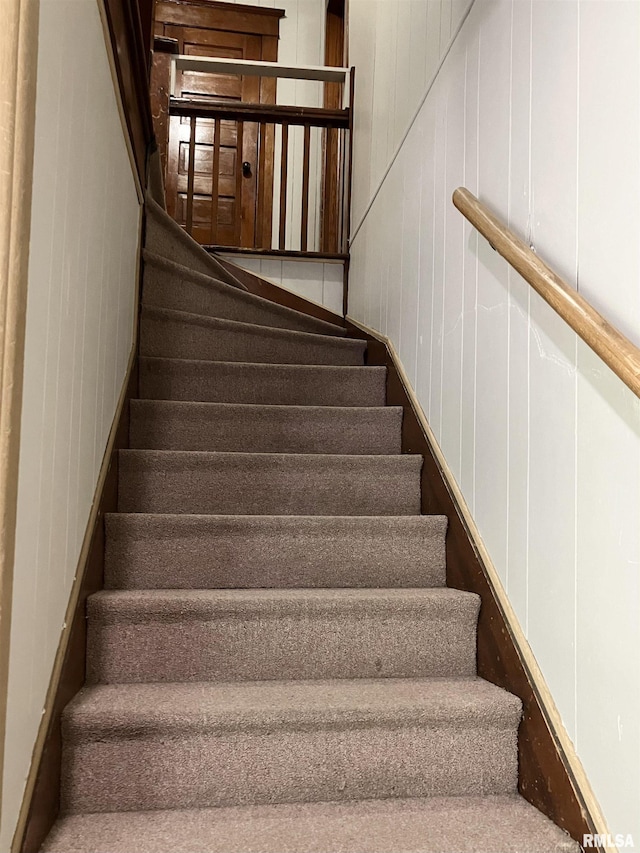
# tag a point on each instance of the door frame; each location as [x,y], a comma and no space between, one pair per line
[247,20]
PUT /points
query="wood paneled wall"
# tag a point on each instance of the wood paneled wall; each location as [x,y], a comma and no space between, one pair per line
[79,332]
[536,109]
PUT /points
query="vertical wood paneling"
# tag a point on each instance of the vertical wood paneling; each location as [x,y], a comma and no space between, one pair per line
[411,234]
[537,110]
[608,418]
[332,286]
[82,281]
[320,282]
[394,262]
[608,540]
[439,265]
[492,326]
[452,279]
[469,279]
[518,318]
[425,290]
[609,198]
[551,557]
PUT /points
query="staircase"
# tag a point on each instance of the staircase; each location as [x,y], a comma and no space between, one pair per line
[276,663]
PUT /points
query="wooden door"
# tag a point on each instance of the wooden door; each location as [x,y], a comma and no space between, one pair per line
[228,31]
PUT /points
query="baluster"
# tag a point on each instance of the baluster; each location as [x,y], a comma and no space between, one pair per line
[261,186]
[190,172]
[284,160]
[305,189]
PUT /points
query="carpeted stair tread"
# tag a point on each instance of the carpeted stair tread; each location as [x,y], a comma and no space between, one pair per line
[241,743]
[271,384]
[170,285]
[179,334]
[173,481]
[164,237]
[212,551]
[498,824]
[111,710]
[173,425]
[229,635]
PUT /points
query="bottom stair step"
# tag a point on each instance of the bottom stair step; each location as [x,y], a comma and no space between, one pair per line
[436,825]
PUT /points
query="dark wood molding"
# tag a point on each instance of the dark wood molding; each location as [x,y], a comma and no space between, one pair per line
[251,20]
[275,113]
[291,254]
[146,10]
[131,57]
[545,778]
[164,44]
[44,804]
[279,295]
[246,9]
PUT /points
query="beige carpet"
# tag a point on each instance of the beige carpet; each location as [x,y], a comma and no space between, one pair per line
[275,664]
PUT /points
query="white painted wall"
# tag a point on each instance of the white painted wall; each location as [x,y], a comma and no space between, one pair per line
[80,320]
[537,110]
[301,43]
[318,281]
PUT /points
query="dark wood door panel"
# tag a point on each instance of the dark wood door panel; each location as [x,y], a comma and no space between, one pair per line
[220,16]
[224,31]
[202,217]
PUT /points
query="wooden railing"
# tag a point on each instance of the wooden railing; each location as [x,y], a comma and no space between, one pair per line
[284,188]
[616,350]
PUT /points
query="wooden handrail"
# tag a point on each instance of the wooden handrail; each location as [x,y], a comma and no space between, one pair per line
[270,113]
[616,350]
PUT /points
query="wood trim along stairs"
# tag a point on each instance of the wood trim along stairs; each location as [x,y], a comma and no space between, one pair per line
[551,776]
[40,804]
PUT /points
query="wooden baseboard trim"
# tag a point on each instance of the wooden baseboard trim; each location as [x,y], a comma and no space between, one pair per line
[40,802]
[551,774]
[284,254]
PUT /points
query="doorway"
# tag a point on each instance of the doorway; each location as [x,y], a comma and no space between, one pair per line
[221,30]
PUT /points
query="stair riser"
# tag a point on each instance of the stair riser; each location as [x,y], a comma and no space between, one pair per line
[246,384]
[157,427]
[289,489]
[346,763]
[283,646]
[169,339]
[161,288]
[205,553]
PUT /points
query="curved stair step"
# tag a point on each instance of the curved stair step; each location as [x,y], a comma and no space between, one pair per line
[174,481]
[243,551]
[170,285]
[171,425]
[178,334]
[163,236]
[199,745]
[270,384]
[232,635]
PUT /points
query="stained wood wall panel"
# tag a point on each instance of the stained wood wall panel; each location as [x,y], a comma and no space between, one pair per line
[536,109]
